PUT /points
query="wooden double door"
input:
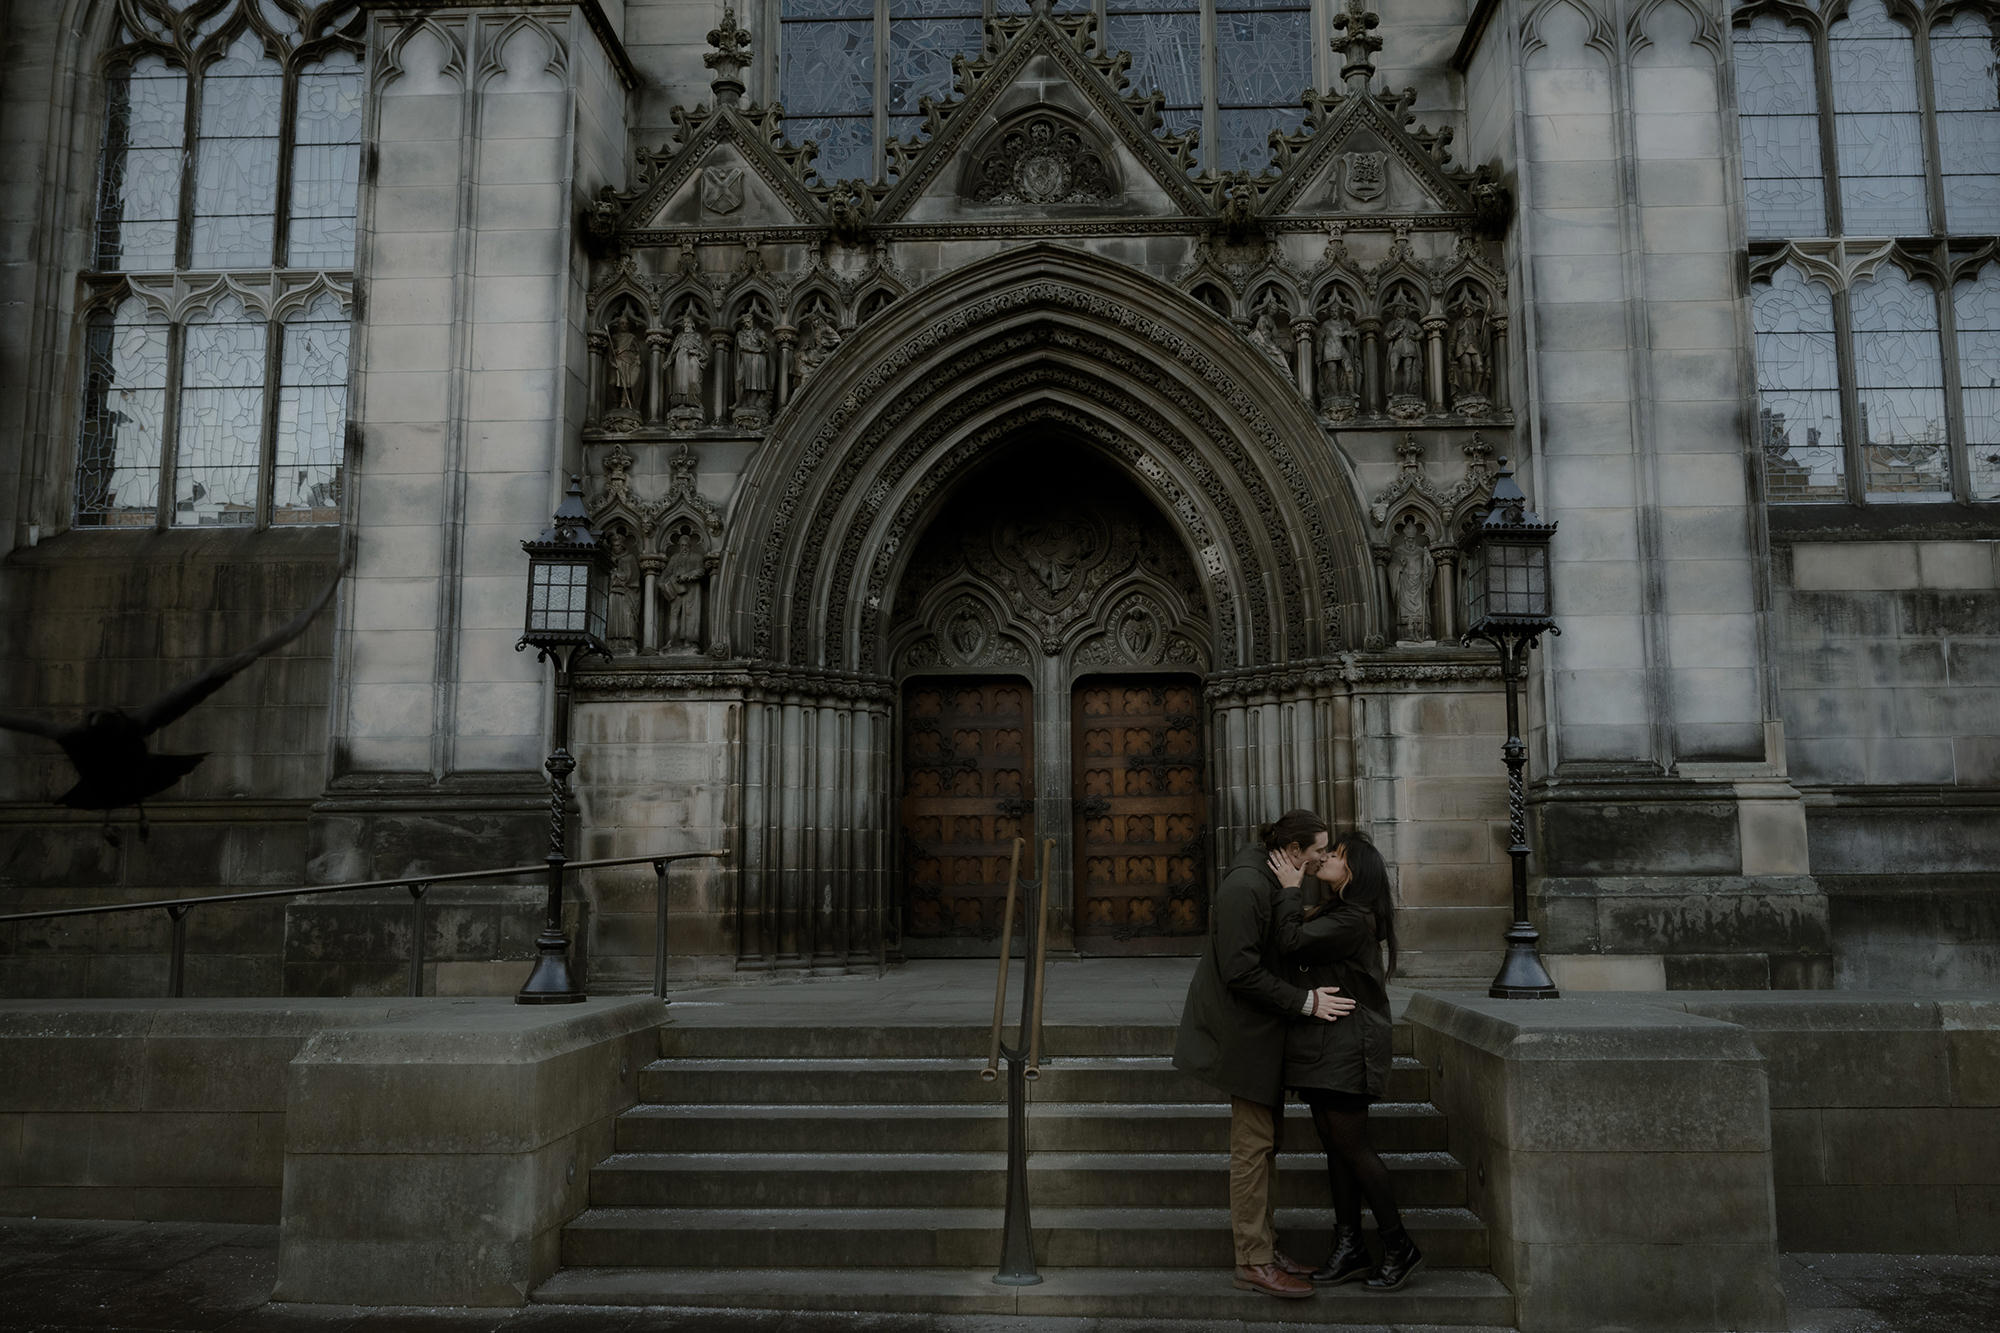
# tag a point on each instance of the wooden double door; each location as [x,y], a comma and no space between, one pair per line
[1113,772]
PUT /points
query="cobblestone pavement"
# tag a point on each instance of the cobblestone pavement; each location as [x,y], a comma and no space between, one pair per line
[106,1277]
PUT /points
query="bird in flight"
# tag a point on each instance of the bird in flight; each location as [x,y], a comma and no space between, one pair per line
[114,768]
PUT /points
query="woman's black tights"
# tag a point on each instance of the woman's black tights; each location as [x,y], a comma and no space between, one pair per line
[1354,1169]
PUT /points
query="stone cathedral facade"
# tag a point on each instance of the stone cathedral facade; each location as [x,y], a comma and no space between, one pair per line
[1011,419]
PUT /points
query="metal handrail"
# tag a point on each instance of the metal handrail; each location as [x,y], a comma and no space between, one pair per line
[177,909]
[1017,1244]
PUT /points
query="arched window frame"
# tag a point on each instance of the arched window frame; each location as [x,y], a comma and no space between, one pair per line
[1939,257]
[1207,114]
[299,35]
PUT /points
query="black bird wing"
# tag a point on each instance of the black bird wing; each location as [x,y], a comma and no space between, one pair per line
[151,717]
[35,726]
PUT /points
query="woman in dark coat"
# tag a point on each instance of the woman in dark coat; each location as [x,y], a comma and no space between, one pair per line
[1341,1068]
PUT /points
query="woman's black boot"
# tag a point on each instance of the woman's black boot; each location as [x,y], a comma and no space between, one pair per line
[1348,1261]
[1400,1258]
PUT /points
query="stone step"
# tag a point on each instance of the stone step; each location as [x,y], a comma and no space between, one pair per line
[903,1081]
[976,1180]
[691,1041]
[982,1127]
[837,1238]
[1441,1297]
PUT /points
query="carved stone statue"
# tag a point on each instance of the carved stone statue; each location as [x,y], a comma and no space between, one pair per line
[1339,367]
[1268,332]
[627,360]
[1412,571]
[820,342]
[686,360]
[1471,371]
[753,372]
[678,590]
[1406,349]
[622,629]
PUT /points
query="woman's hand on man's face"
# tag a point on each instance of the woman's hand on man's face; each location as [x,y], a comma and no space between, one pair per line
[1288,874]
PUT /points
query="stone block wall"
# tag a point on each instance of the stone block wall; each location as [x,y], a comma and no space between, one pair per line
[98,620]
[1885,1117]
[1889,673]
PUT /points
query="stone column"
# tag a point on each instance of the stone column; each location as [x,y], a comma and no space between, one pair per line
[1372,395]
[1385,596]
[657,341]
[600,373]
[1434,326]
[1501,398]
[1302,340]
[721,384]
[786,338]
[649,630]
[1446,593]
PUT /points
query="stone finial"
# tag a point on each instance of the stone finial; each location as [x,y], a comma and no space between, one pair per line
[729,58]
[1354,38]
[1411,453]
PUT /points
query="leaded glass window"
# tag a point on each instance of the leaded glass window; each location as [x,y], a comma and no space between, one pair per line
[215,347]
[1976,308]
[1798,390]
[1871,160]
[851,73]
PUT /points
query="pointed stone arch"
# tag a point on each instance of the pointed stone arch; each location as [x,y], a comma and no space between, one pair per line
[1053,337]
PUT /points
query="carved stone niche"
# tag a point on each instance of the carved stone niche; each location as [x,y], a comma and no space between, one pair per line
[1040,158]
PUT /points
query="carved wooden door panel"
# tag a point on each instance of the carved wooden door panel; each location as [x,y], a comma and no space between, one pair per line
[1141,815]
[968,788]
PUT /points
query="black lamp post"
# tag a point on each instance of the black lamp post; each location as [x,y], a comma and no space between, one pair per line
[567,596]
[1507,591]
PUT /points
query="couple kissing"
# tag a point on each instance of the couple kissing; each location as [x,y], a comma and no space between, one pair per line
[1291,993]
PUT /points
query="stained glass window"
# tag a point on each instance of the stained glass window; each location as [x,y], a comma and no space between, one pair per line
[852,73]
[124,406]
[231,146]
[1966,84]
[1263,66]
[1976,310]
[1778,117]
[1871,154]
[1899,375]
[312,415]
[1877,123]
[1798,390]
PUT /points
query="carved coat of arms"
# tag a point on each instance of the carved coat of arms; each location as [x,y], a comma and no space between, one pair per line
[721,189]
[1364,178]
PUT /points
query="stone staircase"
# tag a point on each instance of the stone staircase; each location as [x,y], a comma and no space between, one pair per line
[865,1169]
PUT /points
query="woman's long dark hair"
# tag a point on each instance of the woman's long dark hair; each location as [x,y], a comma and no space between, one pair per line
[1368,886]
[1294,826]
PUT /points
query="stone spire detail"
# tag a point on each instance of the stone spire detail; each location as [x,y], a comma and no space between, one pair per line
[729,58]
[1354,38]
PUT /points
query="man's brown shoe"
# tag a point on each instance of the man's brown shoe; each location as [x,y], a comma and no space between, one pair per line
[1284,1263]
[1272,1281]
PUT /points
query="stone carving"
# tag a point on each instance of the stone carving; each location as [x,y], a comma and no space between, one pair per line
[1364,178]
[1052,549]
[820,339]
[678,590]
[1041,160]
[687,364]
[753,373]
[625,367]
[721,189]
[1339,362]
[1471,363]
[1404,337]
[966,635]
[622,628]
[1267,331]
[847,209]
[1412,572]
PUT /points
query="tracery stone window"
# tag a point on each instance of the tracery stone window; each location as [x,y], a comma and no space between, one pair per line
[217,308]
[1871,163]
[851,72]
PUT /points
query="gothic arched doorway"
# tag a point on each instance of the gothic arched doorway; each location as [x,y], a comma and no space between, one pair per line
[1049,639]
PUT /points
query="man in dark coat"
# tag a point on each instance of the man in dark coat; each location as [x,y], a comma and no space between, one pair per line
[1232,1036]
